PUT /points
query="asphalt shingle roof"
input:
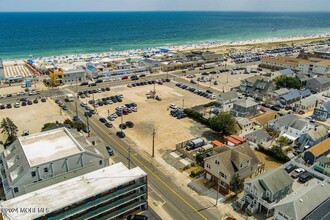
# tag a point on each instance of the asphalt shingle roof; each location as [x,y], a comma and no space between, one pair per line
[227,96]
[307,198]
[246,103]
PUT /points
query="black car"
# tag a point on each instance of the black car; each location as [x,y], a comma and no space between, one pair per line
[289,168]
[29,102]
[129,124]
[2,106]
[92,111]
[275,108]
[9,105]
[108,124]
[84,83]
[110,151]
[137,217]
[43,100]
[303,178]
[23,103]
[209,91]
[103,120]
[99,81]
[86,129]
[76,118]
[88,114]
[103,89]
[23,99]
[65,108]
[119,113]
[57,101]
[107,88]
[92,84]
[35,101]
[9,95]
[120,134]
[123,126]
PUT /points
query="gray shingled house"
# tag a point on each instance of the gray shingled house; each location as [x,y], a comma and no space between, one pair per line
[318,84]
[226,100]
[311,201]
[245,108]
[263,192]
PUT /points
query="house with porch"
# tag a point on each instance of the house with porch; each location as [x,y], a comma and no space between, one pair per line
[226,100]
[263,192]
[294,96]
[245,108]
[259,136]
[322,165]
[322,111]
[297,128]
[281,123]
[312,137]
[227,162]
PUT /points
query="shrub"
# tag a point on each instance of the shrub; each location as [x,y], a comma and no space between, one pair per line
[197,172]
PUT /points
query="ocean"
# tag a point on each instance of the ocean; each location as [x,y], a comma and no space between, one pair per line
[60,33]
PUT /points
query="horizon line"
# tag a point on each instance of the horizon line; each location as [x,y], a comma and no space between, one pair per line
[168,11]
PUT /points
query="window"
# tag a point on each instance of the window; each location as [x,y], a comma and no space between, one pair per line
[33,173]
[46,169]
[217,162]
[16,190]
[208,166]
[267,193]
[100,162]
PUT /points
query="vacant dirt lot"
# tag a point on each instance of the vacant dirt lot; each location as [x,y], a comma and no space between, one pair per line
[269,162]
[33,117]
[154,114]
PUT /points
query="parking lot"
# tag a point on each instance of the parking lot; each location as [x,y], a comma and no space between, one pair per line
[33,117]
[153,114]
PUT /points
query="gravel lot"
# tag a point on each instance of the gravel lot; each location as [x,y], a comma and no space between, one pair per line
[153,114]
[33,117]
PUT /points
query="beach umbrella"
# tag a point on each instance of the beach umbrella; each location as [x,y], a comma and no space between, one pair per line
[55,61]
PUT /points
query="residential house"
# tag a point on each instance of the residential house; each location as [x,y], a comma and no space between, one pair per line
[294,96]
[322,165]
[313,137]
[322,111]
[245,125]
[259,136]
[227,162]
[107,193]
[257,87]
[308,202]
[318,84]
[264,191]
[303,78]
[226,100]
[281,124]
[39,160]
[284,72]
[306,103]
[276,94]
[297,128]
[317,151]
[245,108]
[264,118]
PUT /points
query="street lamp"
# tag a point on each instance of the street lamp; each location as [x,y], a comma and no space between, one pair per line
[153,142]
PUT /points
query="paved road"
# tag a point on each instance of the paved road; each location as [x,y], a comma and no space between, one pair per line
[178,204]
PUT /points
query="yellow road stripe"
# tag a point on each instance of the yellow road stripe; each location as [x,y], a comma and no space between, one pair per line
[162,181]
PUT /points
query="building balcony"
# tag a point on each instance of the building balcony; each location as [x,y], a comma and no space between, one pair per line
[266,203]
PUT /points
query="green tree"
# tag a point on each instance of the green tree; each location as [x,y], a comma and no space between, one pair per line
[9,129]
[282,141]
[236,184]
[224,123]
[288,82]
[79,125]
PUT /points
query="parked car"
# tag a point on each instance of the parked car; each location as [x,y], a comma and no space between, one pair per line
[108,124]
[65,108]
[304,177]
[137,217]
[289,168]
[297,172]
[123,126]
[9,105]
[110,151]
[76,118]
[120,134]
[43,99]
[103,120]
[130,124]
[275,108]
[88,114]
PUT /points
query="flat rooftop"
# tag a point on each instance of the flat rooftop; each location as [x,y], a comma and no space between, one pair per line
[76,189]
[48,146]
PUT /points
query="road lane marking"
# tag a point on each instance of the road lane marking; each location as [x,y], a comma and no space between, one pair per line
[149,170]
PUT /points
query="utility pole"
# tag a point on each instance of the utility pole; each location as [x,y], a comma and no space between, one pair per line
[93,102]
[76,84]
[216,201]
[153,142]
[76,109]
[87,125]
[183,103]
[129,158]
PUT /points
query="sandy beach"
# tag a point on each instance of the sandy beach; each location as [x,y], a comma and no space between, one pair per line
[136,53]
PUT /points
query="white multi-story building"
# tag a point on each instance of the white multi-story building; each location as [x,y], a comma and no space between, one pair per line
[40,160]
[108,193]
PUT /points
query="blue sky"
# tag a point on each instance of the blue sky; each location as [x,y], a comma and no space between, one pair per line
[165,5]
